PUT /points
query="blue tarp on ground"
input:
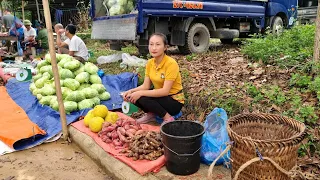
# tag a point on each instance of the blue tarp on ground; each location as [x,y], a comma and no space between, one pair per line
[48,119]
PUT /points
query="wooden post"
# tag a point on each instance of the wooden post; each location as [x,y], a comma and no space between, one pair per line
[38,11]
[47,17]
[23,10]
[317,36]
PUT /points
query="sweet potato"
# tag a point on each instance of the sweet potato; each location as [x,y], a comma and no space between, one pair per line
[109,134]
[119,122]
[108,140]
[114,135]
[117,142]
[122,130]
[132,131]
[121,137]
[106,124]
[129,134]
[134,127]
[126,127]
[108,128]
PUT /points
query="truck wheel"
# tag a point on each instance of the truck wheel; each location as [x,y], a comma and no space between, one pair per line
[277,25]
[197,39]
[226,41]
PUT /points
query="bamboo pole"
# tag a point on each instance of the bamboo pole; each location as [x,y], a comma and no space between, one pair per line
[22,10]
[47,17]
[38,11]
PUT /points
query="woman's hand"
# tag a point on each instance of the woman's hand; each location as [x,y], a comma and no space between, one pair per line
[133,97]
[126,94]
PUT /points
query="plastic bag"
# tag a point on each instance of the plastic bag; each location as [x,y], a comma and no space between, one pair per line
[215,138]
[109,59]
[132,60]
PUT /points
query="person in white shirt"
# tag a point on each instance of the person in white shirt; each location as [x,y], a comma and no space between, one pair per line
[29,32]
[77,48]
[60,31]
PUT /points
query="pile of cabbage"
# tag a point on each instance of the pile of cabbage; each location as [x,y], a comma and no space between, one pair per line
[117,7]
[80,84]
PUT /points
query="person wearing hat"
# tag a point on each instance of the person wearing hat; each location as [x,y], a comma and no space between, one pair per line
[29,32]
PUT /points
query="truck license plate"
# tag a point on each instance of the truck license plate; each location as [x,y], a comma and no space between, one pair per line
[244,26]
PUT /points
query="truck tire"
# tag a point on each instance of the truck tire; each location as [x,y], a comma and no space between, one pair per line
[226,41]
[197,39]
[277,25]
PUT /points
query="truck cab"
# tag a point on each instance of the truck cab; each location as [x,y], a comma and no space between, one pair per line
[190,24]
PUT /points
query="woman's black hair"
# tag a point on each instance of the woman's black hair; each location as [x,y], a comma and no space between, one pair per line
[163,37]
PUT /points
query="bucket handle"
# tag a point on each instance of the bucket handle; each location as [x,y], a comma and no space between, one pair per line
[181,154]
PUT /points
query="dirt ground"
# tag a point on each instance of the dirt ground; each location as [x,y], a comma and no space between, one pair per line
[51,161]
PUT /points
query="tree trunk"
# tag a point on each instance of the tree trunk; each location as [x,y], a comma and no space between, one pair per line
[317,36]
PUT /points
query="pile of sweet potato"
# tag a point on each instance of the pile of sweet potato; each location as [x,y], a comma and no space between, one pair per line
[120,134]
[134,142]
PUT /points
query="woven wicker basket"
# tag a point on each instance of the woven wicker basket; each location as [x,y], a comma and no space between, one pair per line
[274,136]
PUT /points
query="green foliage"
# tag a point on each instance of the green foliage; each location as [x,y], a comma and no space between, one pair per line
[300,80]
[190,57]
[290,49]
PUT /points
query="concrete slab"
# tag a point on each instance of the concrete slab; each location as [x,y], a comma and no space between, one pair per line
[121,171]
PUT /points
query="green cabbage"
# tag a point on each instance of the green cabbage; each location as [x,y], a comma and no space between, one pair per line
[99,87]
[36,92]
[76,96]
[90,93]
[65,91]
[91,68]
[40,82]
[45,100]
[72,65]
[66,73]
[79,70]
[70,106]
[85,85]
[47,68]
[84,104]
[53,99]
[32,87]
[54,84]
[42,63]
[62,56]
[83,77]
[54,105]
[64,61]
[36,77]
[95,79]
[48,90]
[96,101]
[48,58]
[104,96]
[47,74]
[39,96]
[71,84]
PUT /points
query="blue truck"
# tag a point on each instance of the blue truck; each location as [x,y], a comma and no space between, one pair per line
[190,24]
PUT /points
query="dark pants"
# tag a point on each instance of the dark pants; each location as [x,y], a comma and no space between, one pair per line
[159,106]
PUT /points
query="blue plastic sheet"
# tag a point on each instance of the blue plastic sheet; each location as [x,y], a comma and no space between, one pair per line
[48,119]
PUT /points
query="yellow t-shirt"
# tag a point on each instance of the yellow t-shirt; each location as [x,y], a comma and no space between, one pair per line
[168,69]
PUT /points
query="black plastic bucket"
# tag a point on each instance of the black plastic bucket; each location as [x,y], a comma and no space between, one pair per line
[182,143]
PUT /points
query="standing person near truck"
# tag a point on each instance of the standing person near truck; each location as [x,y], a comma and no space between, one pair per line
[7,20]
[162,71]
[77,48]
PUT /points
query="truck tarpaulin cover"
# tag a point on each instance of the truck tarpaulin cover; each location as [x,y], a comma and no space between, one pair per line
[48,119]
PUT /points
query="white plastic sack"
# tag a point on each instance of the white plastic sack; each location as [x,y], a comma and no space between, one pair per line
[109,59]
[132,60]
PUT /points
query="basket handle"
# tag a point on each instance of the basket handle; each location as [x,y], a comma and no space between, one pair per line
[215,161]
[293,173]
